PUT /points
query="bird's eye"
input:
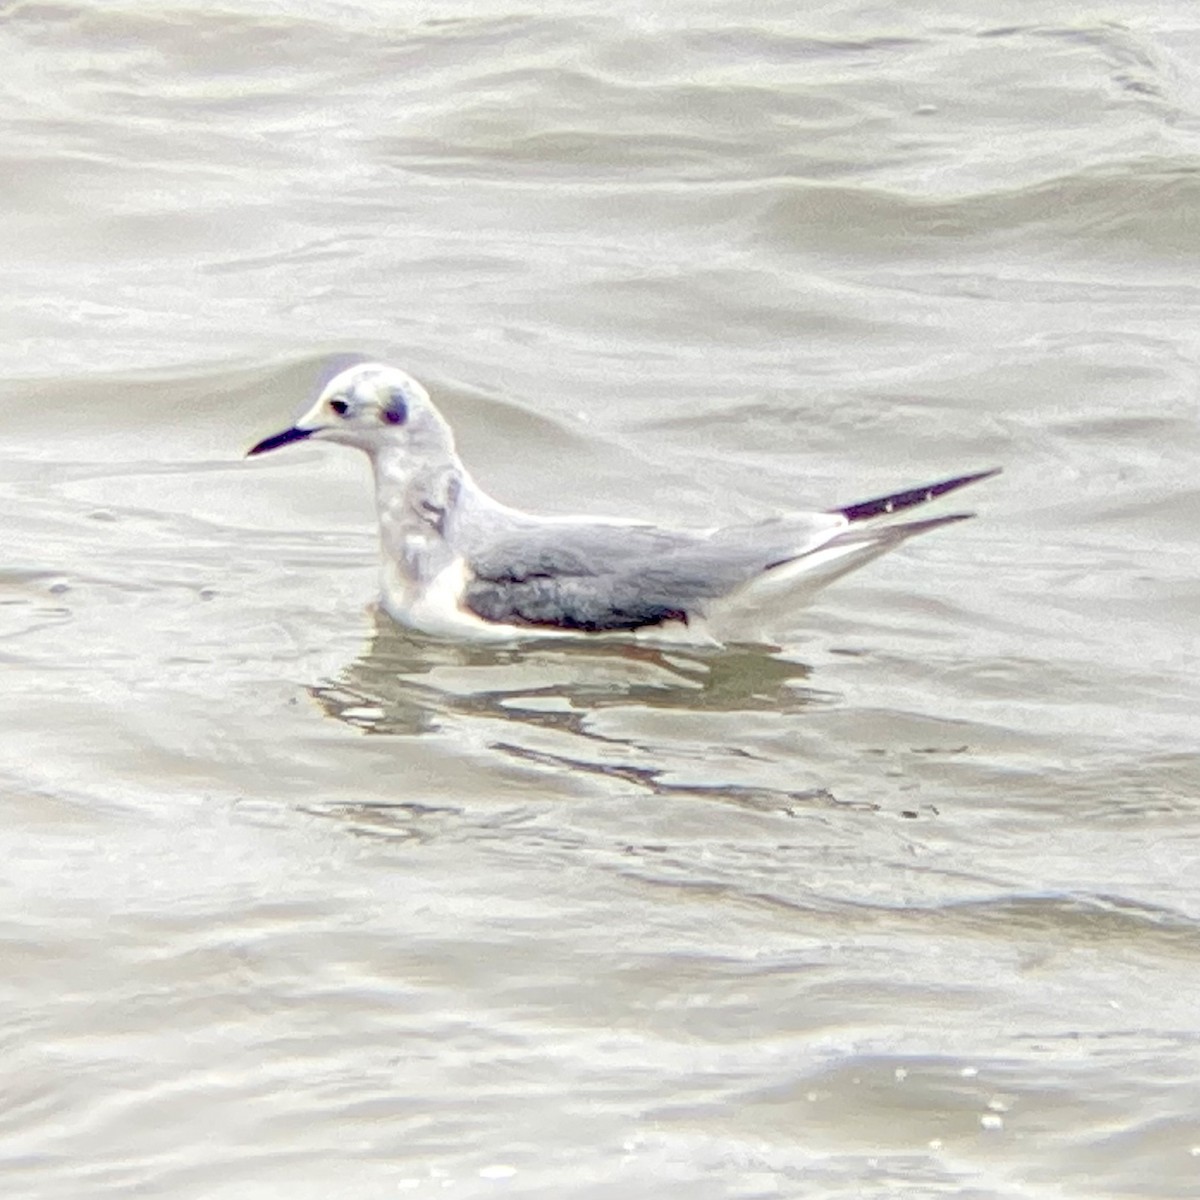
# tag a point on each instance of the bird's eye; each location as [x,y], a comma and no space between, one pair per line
[339,406]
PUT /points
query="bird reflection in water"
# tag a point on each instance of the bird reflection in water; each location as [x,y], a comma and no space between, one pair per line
[406,685]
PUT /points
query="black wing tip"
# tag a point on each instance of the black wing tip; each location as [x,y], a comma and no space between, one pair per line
[898,501]
[974,477]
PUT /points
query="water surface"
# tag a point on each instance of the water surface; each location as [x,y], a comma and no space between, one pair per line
[298,904]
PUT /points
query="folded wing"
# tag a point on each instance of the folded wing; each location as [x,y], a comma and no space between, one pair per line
[595,577]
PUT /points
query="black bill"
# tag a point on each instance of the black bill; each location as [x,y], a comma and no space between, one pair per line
[280,439]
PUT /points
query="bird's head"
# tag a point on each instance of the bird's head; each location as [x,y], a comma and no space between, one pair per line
[371,406]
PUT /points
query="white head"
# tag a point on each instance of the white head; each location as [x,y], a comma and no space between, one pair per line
[374,407]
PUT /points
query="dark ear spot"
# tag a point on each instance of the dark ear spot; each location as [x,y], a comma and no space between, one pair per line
[395,411]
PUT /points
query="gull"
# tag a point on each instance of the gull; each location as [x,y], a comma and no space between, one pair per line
[459,564]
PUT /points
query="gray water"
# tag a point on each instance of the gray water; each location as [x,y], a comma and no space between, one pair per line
[297,905]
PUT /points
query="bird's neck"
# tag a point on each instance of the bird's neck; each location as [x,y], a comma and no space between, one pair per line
[423,508]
